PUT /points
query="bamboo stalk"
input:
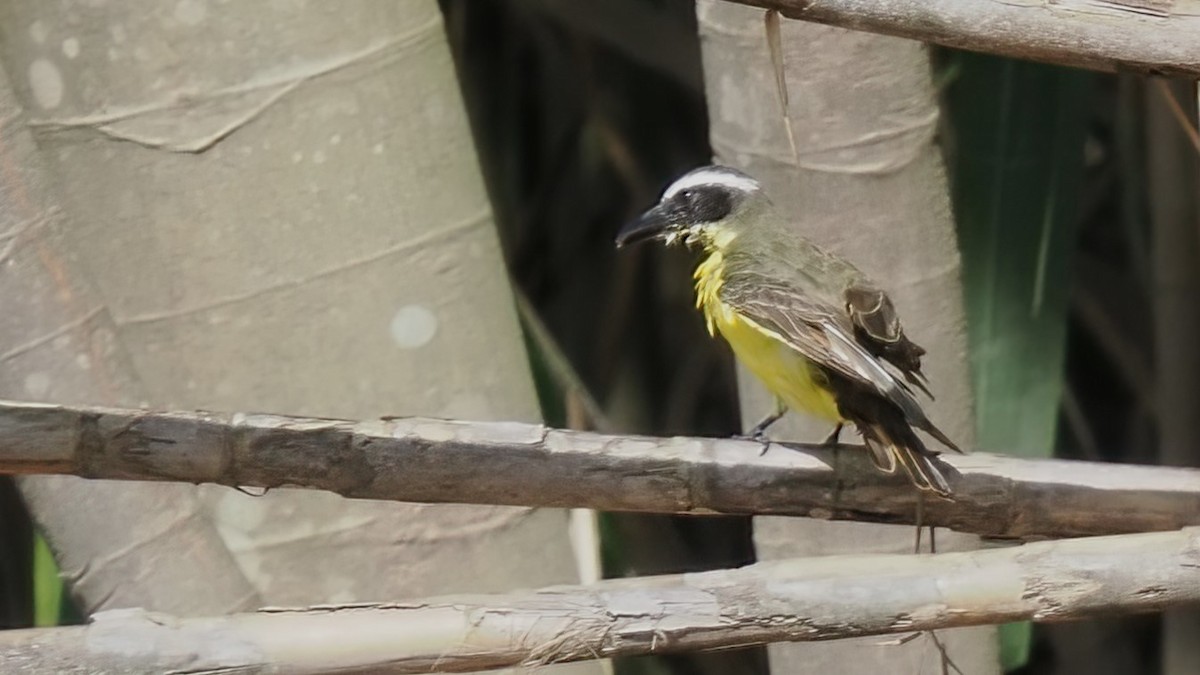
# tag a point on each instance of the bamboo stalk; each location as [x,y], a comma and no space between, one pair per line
[428,460]
[1150,36]
[810,599]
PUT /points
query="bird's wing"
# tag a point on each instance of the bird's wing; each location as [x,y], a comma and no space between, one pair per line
[823,333]
[877,328]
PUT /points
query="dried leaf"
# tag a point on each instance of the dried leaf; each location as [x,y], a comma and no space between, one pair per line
[775,48]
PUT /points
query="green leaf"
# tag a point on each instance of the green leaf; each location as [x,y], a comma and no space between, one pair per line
[1015,150]
[1017,132]
[1015,642]
[47,586]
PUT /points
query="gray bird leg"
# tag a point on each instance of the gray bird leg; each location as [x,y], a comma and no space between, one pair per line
[758,432]
[832,439]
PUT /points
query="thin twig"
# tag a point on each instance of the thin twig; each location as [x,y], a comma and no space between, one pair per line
[947,662]
[1164,88]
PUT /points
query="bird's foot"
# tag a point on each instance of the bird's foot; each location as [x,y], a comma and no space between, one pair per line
[831,441]
[755,436]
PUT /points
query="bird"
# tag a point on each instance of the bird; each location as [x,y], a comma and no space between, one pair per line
[822,336]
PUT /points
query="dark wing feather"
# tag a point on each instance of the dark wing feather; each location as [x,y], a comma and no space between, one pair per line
[824,335]
[893,445]
[877,328]
[815,331]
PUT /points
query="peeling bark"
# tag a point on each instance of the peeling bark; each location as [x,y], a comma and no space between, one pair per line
[428,460]
[788,600]
[1150,36]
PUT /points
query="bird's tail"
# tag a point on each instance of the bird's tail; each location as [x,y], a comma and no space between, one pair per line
[897,444]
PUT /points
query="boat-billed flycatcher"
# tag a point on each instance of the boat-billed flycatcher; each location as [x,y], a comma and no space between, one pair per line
[820,334]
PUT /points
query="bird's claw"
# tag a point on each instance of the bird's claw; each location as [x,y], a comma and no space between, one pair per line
[755,437]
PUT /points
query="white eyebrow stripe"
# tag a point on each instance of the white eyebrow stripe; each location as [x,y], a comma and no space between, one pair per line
[712,176]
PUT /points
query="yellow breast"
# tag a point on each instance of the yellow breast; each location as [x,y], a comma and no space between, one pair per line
[784,371]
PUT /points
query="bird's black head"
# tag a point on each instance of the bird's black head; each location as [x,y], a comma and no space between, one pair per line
[694,208]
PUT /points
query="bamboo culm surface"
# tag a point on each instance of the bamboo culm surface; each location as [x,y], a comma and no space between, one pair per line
[1160,37]
[791,600]
[430,460]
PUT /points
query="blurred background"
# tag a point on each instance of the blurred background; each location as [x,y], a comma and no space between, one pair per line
[1077,188]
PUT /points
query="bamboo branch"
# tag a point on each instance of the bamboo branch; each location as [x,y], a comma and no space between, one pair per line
[793,600]
[427,460]
[1151,36]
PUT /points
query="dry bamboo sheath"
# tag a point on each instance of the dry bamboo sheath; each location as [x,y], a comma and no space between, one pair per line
[427,460]
[792,600]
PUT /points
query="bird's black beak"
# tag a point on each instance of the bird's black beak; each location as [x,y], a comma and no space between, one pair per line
[650,224]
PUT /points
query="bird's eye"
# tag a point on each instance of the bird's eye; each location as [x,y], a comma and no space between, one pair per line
[688,195]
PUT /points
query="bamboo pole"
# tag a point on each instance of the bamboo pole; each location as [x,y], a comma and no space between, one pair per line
[1149,36]
[428,460]
[789,600]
